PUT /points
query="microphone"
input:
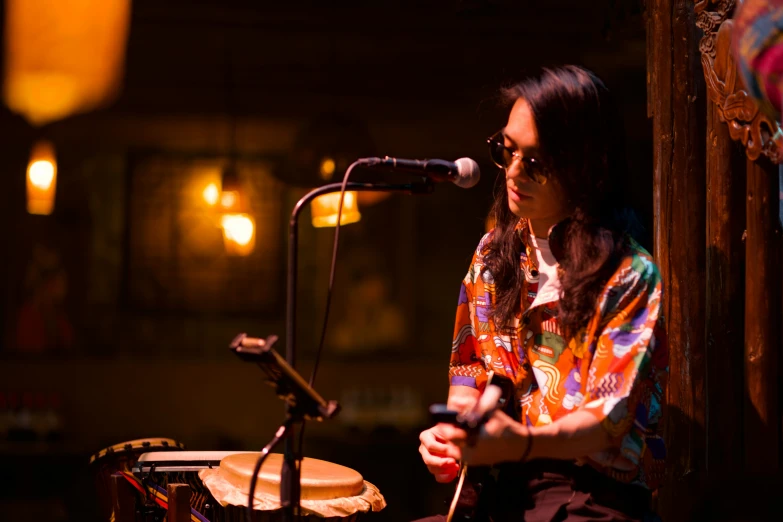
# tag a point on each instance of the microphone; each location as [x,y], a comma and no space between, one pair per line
[464,172]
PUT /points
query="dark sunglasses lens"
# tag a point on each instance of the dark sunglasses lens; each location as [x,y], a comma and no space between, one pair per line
[499,153]
[535,171]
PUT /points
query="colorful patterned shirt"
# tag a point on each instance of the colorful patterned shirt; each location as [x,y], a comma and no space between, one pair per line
[615,368]
[757,41]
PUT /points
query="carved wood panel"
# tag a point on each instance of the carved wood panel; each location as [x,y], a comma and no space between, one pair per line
[758,133]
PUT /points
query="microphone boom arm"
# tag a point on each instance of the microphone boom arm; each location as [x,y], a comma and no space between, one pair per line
[426,186]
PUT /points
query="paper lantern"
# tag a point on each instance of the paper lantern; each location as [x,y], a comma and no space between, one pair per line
[324,209]
[41,179]
[63,57]
[238,234]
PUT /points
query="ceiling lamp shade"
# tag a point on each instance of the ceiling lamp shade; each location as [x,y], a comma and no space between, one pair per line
[324,210]
[62,58]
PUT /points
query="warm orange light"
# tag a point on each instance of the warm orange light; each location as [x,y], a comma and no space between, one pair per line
[62,58]
[324,209]
[229,199]
[41,179]
[327,168]
[211,194]
[238,234]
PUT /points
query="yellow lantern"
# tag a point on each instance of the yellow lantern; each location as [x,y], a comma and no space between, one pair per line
[63,57]
[41,179]
[238,234]
[324,209]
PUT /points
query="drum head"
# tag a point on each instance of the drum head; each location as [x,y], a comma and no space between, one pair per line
[138,446]
[321,480]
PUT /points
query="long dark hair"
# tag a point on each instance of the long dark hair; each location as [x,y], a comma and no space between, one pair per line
[580,141]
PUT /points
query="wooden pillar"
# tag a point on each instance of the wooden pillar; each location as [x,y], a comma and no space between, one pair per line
[725,297]
[677,95]
[762,320]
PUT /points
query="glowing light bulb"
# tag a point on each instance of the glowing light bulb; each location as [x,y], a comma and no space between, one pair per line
[42,174]
[238,233]
[41,179]
[229,198]
[327,168]
[211,194]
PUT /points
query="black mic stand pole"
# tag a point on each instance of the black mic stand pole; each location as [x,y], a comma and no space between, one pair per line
[290,492]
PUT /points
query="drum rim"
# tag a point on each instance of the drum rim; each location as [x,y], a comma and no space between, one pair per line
[163,463]
[188,456]
[149,443]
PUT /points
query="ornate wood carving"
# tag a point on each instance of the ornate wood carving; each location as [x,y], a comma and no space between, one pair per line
[757,132]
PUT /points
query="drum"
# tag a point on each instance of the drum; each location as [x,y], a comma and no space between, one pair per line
[329,492]
[122,457]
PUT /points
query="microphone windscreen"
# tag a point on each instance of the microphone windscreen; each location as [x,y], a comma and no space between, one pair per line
[468,173]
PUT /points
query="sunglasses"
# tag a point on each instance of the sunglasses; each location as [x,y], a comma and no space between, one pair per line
[504,157]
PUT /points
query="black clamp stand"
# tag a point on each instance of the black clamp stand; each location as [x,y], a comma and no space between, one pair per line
[302,403]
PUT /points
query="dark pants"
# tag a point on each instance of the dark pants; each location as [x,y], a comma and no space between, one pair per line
[555,491]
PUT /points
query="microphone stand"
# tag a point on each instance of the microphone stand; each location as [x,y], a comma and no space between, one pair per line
[290,491]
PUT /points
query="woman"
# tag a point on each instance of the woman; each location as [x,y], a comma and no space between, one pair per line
[562,304]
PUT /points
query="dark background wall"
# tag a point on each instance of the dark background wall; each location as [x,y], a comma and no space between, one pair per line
[152,298]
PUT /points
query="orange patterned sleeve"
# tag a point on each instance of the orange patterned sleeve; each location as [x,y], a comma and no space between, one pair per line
[466,367]
[628,354]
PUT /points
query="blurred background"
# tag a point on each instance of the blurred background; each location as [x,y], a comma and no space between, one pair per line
[152,152]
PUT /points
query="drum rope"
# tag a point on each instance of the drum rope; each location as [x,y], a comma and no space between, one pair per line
[159,495]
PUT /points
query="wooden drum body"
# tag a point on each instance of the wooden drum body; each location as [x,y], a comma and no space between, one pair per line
[122,457]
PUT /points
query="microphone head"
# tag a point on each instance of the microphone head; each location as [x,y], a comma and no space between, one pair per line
[468,173]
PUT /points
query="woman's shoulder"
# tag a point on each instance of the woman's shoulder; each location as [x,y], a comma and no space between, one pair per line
[481,249]
[484,243]
[637,268]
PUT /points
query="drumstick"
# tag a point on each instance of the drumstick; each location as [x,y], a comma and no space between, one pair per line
[463,470]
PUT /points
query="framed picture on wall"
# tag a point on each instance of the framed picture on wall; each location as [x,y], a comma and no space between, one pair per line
[188,250]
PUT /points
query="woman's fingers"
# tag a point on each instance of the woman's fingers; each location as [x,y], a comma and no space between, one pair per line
[450,433]
[439,455]
[434,443]
[444,469]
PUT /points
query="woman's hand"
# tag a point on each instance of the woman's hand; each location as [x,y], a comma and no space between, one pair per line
[500,439]
[439,455]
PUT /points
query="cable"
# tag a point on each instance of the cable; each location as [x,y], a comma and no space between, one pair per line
[281,431]
[332,270]
[335,248]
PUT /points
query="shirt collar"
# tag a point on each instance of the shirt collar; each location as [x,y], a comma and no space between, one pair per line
[529,265]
